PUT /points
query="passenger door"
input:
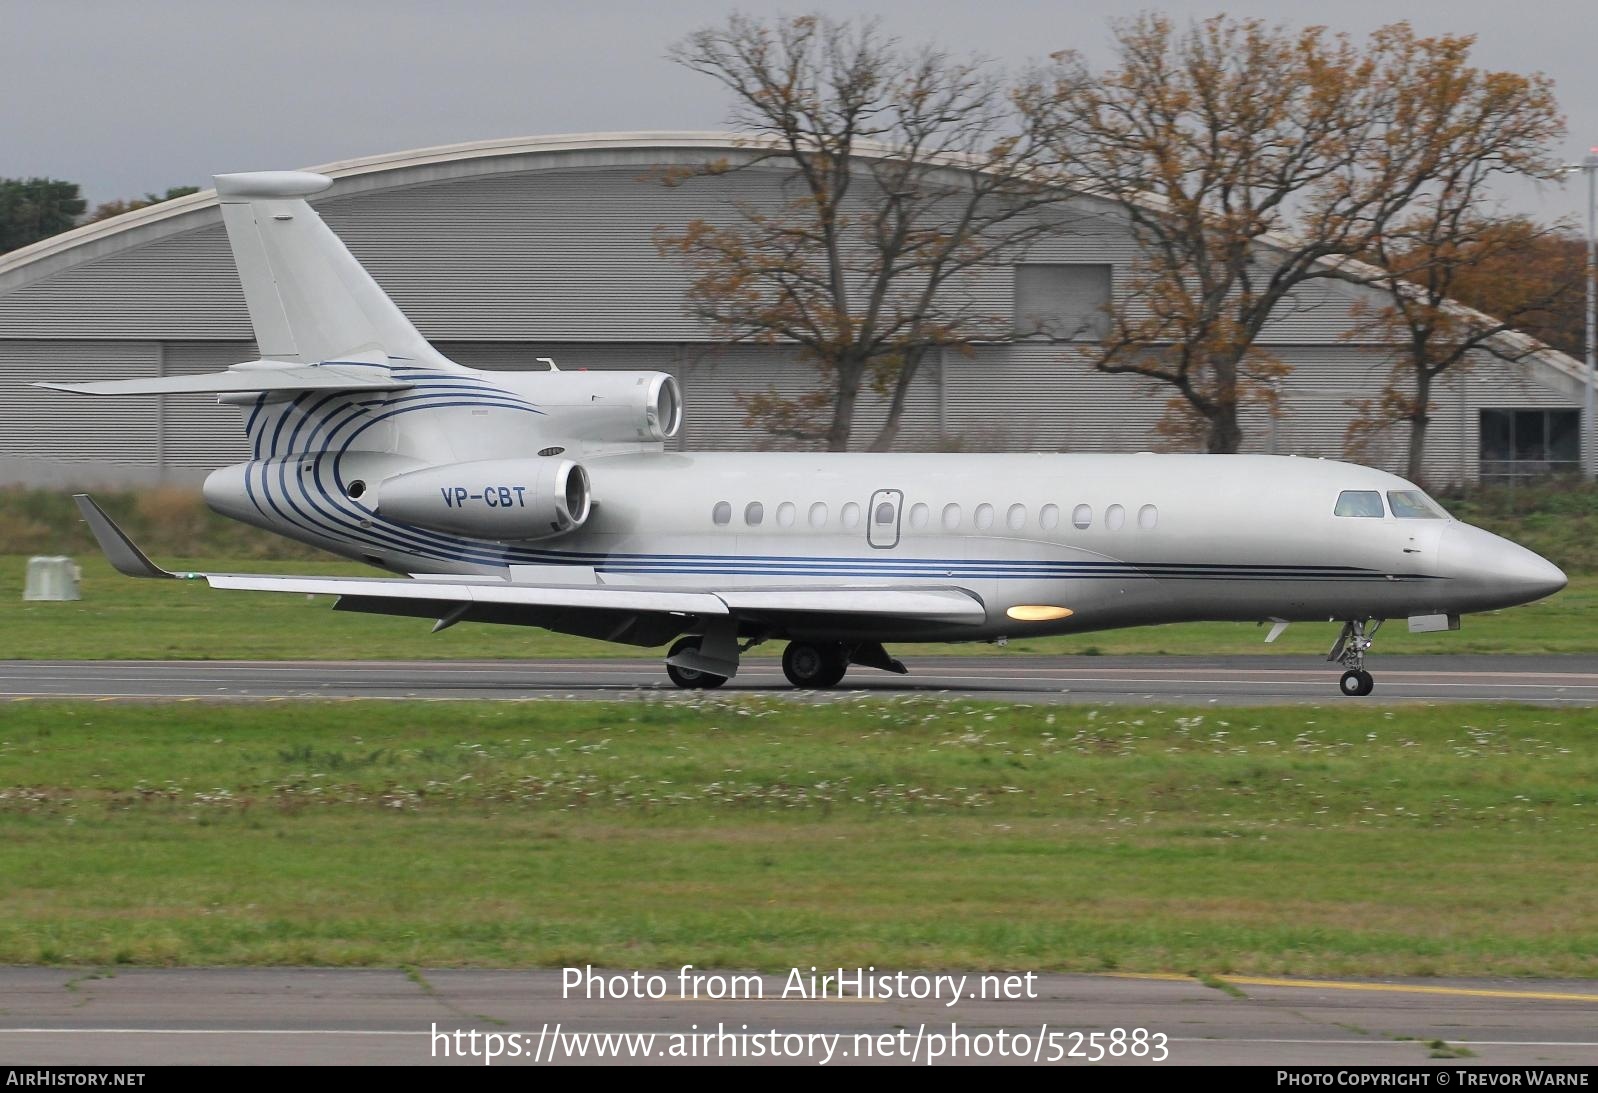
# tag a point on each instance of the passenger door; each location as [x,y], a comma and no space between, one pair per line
[882,519]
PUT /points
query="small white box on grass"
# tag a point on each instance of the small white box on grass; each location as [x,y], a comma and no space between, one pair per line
[52,578]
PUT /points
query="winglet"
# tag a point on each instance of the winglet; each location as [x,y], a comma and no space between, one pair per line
[119,549]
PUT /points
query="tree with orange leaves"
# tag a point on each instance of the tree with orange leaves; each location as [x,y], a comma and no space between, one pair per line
[1247,160]
[1501,265]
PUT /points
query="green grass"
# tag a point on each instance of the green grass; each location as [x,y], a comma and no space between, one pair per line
[1558,519]
[742,833]
[121,618]
[164,520]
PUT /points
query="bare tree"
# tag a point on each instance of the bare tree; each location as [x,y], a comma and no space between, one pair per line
[1246,159]
[911,173]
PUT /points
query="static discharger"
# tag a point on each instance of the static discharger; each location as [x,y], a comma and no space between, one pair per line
[1038,613]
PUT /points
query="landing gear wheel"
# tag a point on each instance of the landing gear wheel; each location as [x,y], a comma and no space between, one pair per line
[814,666]
[1352,645]
[689,678]
[1357,683]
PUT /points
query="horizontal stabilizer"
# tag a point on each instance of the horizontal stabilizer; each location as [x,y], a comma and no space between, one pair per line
[245,379]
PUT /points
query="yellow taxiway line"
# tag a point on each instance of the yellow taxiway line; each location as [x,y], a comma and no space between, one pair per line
[1387,988]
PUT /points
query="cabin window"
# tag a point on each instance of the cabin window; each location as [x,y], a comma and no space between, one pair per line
[1016,517]
[1049,518]
[1414,505]
[818,515]
[919,516]
[754,512]
[1148,517]
[722,513]
[851,515]
[1082,517]
[884,514]
[1359,503]
[984,517]
[785,514]
[951,517]
[1115,517]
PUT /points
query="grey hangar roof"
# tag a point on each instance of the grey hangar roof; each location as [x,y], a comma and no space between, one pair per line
[504,251]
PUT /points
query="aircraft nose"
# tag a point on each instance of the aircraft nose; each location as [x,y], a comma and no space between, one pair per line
[1504,572]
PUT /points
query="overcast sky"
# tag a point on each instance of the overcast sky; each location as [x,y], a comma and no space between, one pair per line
[128,97]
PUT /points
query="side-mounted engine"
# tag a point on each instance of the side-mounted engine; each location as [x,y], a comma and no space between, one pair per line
[505,499]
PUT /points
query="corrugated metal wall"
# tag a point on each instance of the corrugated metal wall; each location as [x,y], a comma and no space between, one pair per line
[502,268]
[196,432]
[1016,398]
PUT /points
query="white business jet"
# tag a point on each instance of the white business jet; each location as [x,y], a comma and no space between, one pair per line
[547,498]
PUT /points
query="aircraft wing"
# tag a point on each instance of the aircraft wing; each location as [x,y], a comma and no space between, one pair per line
[634,612]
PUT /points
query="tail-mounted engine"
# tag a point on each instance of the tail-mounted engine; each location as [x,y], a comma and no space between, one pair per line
[505,499]
[608,407]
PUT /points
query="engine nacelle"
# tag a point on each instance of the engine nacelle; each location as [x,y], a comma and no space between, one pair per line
[506,499]
[620,407]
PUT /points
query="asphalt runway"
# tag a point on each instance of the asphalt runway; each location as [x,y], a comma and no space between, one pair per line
[317,1016]
[1232,681]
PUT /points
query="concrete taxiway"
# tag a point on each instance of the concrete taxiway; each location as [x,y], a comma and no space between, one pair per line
[286,1015]
[1235,680]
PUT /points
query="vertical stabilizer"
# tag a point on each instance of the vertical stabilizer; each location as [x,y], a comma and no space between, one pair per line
[310,301]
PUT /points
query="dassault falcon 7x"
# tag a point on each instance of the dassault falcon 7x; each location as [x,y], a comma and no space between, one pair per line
[547,498]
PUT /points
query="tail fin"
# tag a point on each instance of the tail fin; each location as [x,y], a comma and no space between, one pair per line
[309,299]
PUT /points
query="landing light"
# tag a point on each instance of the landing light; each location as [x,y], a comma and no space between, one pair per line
[1038,613]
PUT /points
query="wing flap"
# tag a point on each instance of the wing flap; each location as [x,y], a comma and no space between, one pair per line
[930,604]
[601,597]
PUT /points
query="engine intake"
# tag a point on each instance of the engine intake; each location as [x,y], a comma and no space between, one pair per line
[505,499]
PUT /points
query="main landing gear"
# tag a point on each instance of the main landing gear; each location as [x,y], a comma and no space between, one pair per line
[1352,645]
[817,665]
[691,678]
[812,665]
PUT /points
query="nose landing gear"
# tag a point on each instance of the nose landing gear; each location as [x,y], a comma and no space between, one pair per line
[1352,645]
[1356,683]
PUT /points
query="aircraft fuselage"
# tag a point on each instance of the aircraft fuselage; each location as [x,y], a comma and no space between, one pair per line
[1104,540]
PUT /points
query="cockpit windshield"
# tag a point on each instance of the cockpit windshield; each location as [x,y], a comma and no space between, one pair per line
[1359,503]
[1414,505]
[1405,504]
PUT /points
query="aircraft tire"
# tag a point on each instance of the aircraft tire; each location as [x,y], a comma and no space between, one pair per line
[1356,684]
[814,666]
[687,678]
[837,665]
